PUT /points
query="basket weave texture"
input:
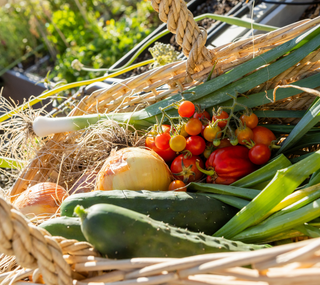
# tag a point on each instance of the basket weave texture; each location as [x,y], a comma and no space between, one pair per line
[59,261]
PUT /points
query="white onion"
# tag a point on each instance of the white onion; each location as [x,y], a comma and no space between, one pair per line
[134,168]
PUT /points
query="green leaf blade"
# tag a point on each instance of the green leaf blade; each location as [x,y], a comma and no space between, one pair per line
[283,184]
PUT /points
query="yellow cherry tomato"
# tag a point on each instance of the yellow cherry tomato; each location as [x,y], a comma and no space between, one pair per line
[211,133]
[178,143]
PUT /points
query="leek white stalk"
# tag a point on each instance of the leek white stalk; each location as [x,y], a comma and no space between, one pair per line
[44,126]
[134,168]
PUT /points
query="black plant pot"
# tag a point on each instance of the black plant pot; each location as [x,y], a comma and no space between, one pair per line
[18,87]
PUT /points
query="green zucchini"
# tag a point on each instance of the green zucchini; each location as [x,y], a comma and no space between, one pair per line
[67,227]
[121,233]
[199,212]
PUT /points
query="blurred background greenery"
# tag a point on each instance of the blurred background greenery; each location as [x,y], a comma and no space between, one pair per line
[96,32]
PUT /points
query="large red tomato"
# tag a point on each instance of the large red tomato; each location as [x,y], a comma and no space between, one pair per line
[184,168]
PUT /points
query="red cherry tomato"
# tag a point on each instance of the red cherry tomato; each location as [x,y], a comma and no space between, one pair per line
[177,185]
[223,115]
[262,135]
[162,141]
[193,127]
[167,155]
[250,121]
[196,145]
[166,128]
[186,109]
[184,168]
[202,115]
[259,154]
[244,135]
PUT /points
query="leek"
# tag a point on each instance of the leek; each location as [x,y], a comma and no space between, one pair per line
[233,201]
[294,201]
[264,173]
[6,162]
[240,192]
[214,91]
[281,223]
[284,183]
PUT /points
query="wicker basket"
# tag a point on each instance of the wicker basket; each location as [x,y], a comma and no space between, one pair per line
[59,261]
[56,260]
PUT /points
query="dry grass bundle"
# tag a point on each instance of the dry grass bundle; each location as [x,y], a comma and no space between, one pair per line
[63,160]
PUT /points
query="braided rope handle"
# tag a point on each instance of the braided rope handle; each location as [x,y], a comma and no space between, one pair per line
[189,35]
[33,247]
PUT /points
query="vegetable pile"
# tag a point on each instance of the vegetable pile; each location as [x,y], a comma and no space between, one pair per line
[224,146]
[211,173]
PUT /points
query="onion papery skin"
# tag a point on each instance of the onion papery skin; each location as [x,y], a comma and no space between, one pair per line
[41,200]
[85,183]
[136,169]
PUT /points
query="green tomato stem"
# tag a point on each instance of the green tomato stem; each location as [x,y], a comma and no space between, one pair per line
[210,172]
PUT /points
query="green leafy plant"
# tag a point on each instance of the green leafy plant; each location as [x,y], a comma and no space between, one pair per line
[99,45]
[16,38]
[97,33]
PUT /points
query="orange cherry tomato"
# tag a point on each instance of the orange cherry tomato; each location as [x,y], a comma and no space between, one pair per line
[244,135]
[186,109]
[223,115]
[262,135]
[193,127]
[250,121]
[177,185]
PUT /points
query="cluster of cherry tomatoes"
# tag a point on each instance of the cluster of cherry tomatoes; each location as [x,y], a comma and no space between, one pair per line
[187,145]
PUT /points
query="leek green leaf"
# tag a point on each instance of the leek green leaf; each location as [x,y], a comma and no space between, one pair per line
[311,118]
[284,183]
[264,173]
[240,192]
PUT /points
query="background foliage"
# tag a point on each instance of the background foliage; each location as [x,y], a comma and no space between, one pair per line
[96,32]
